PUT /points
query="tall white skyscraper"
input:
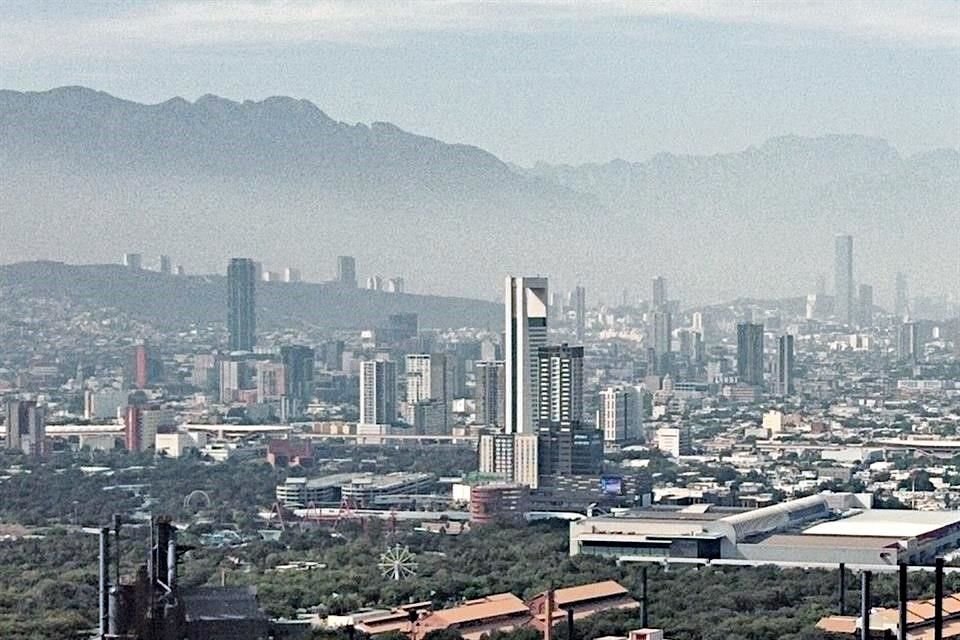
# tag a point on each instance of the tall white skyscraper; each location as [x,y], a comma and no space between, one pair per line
[843,278]
[378,392]
[618,414]
[526,308]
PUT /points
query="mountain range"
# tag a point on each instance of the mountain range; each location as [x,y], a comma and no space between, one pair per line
[85,176]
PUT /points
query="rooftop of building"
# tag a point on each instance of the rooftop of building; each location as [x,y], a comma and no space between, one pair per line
[920,616]
[492,606]
[887,523]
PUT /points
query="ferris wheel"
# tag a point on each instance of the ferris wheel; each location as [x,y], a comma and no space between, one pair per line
[397,563]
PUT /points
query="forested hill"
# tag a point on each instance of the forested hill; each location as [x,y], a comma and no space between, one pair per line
[178,301]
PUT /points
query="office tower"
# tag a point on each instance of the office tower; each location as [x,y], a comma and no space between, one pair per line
[103,403]
[241,304]
[865,305]
[26,428]
[750,353]
[490,392]
[525,306]
[271,381]
[908,342]
[299,363]
[674,441]
[291,275]
[206,371]
[427,381]
[565,446]
[229,380]
[347,271]
[141,366]
[659,292]
[618,416]
[333,355]
[662,331]
[580,311]
[843,278]
[783,369]
[133,261]
[901,297]
[395,285]
[699,349]
[165,265]
[378,392]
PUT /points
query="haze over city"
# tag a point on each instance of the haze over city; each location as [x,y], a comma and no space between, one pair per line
[480,320]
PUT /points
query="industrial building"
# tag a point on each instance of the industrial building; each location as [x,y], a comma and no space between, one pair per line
[820,530]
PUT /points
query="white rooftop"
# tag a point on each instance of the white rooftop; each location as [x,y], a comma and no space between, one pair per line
[887,523]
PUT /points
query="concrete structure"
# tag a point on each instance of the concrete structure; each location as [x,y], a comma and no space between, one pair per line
[364,489]
[288,452]
[241,304]
[865,306]
[843,278]
[378,392]
[909,348]
[26,428]
[133,261]
[822,530]
[176,444]
[428,381]
[496,501]
[104,403]
[660,341]
[525,327]
[298,492]
[674,441]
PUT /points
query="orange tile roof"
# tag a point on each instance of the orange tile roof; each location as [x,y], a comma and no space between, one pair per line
[493,606]
[573,595]
[838,624]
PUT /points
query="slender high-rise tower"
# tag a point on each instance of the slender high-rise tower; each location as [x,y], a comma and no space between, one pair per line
[241,304]
[750,353]
[525,331]
[580,309]
[347,271]
[378,392]
[843,278]
[900,303]
[659,292]
[783,370]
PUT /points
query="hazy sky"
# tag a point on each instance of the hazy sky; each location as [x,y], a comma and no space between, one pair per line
[558,81]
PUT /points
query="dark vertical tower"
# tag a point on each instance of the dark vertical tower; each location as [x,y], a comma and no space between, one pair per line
[490,393]
[865,305]
[750,353]
[299,362]
[908,343]
[784,370]
[843,278]
[241,304]
[26,427]
[347,271]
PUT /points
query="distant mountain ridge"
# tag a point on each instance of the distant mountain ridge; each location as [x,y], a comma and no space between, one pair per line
[85,176]
[177,302]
